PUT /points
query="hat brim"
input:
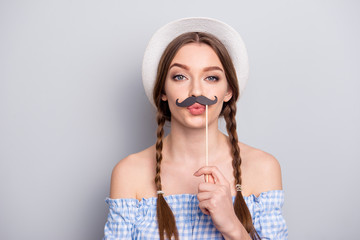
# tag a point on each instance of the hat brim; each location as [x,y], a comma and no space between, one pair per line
[162,37]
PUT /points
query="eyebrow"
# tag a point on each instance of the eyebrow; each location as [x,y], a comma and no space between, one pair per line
[211,68]
[179,65]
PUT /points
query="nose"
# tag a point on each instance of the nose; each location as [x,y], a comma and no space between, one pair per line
[195,88]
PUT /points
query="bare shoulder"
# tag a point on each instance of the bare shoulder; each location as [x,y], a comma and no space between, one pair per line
[262,171]
[129,174]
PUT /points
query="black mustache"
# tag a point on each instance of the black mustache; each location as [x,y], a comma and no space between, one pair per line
[200,99]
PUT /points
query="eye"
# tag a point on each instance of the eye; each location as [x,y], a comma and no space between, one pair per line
[179,77]
[212,78]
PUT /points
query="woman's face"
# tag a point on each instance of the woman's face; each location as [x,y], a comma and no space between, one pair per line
[195,70]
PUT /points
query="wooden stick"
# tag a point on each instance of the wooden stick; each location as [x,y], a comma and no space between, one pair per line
[207,143]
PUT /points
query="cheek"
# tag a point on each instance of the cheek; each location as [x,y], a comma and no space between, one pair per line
[171,96]
[175,92]
[221,94]
[219,106]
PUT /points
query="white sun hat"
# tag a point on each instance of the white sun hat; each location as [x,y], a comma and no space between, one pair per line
[162,37]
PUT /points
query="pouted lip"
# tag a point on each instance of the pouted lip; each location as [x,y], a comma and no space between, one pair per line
[196,106]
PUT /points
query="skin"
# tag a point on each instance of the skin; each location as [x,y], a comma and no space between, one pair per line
[196,70]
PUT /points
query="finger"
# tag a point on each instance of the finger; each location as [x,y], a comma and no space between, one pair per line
[204,196]
[203,208]
[214,171]
[207,187]
[207,206]
[210,179]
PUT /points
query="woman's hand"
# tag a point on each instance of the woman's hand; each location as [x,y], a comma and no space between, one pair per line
[215,200]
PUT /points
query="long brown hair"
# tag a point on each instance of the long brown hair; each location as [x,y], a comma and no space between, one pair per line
[165,217]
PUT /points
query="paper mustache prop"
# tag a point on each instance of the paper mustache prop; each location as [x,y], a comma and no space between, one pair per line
[203,101]
[200,99]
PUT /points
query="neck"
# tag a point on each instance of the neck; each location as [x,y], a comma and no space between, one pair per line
[187,145]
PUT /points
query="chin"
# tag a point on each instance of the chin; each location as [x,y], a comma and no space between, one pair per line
[195,122]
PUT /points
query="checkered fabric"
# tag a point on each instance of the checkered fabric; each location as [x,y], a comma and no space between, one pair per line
[134,219]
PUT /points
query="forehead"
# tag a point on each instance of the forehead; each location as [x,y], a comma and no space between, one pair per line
[197,54]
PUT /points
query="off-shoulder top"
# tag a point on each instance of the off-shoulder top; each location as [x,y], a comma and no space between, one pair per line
[134,219]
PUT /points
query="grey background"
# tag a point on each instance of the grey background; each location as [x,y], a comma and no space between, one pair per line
[72,105]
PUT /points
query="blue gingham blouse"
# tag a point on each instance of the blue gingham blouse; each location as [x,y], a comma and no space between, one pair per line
[134,219]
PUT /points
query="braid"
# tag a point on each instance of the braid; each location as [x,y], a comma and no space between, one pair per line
[165,217]
[240,207]
[159,146]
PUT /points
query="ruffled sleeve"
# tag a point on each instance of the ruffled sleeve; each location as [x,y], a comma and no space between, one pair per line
[267,215]
[121,218]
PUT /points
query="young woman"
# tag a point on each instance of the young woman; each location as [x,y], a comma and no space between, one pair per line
[166,191]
